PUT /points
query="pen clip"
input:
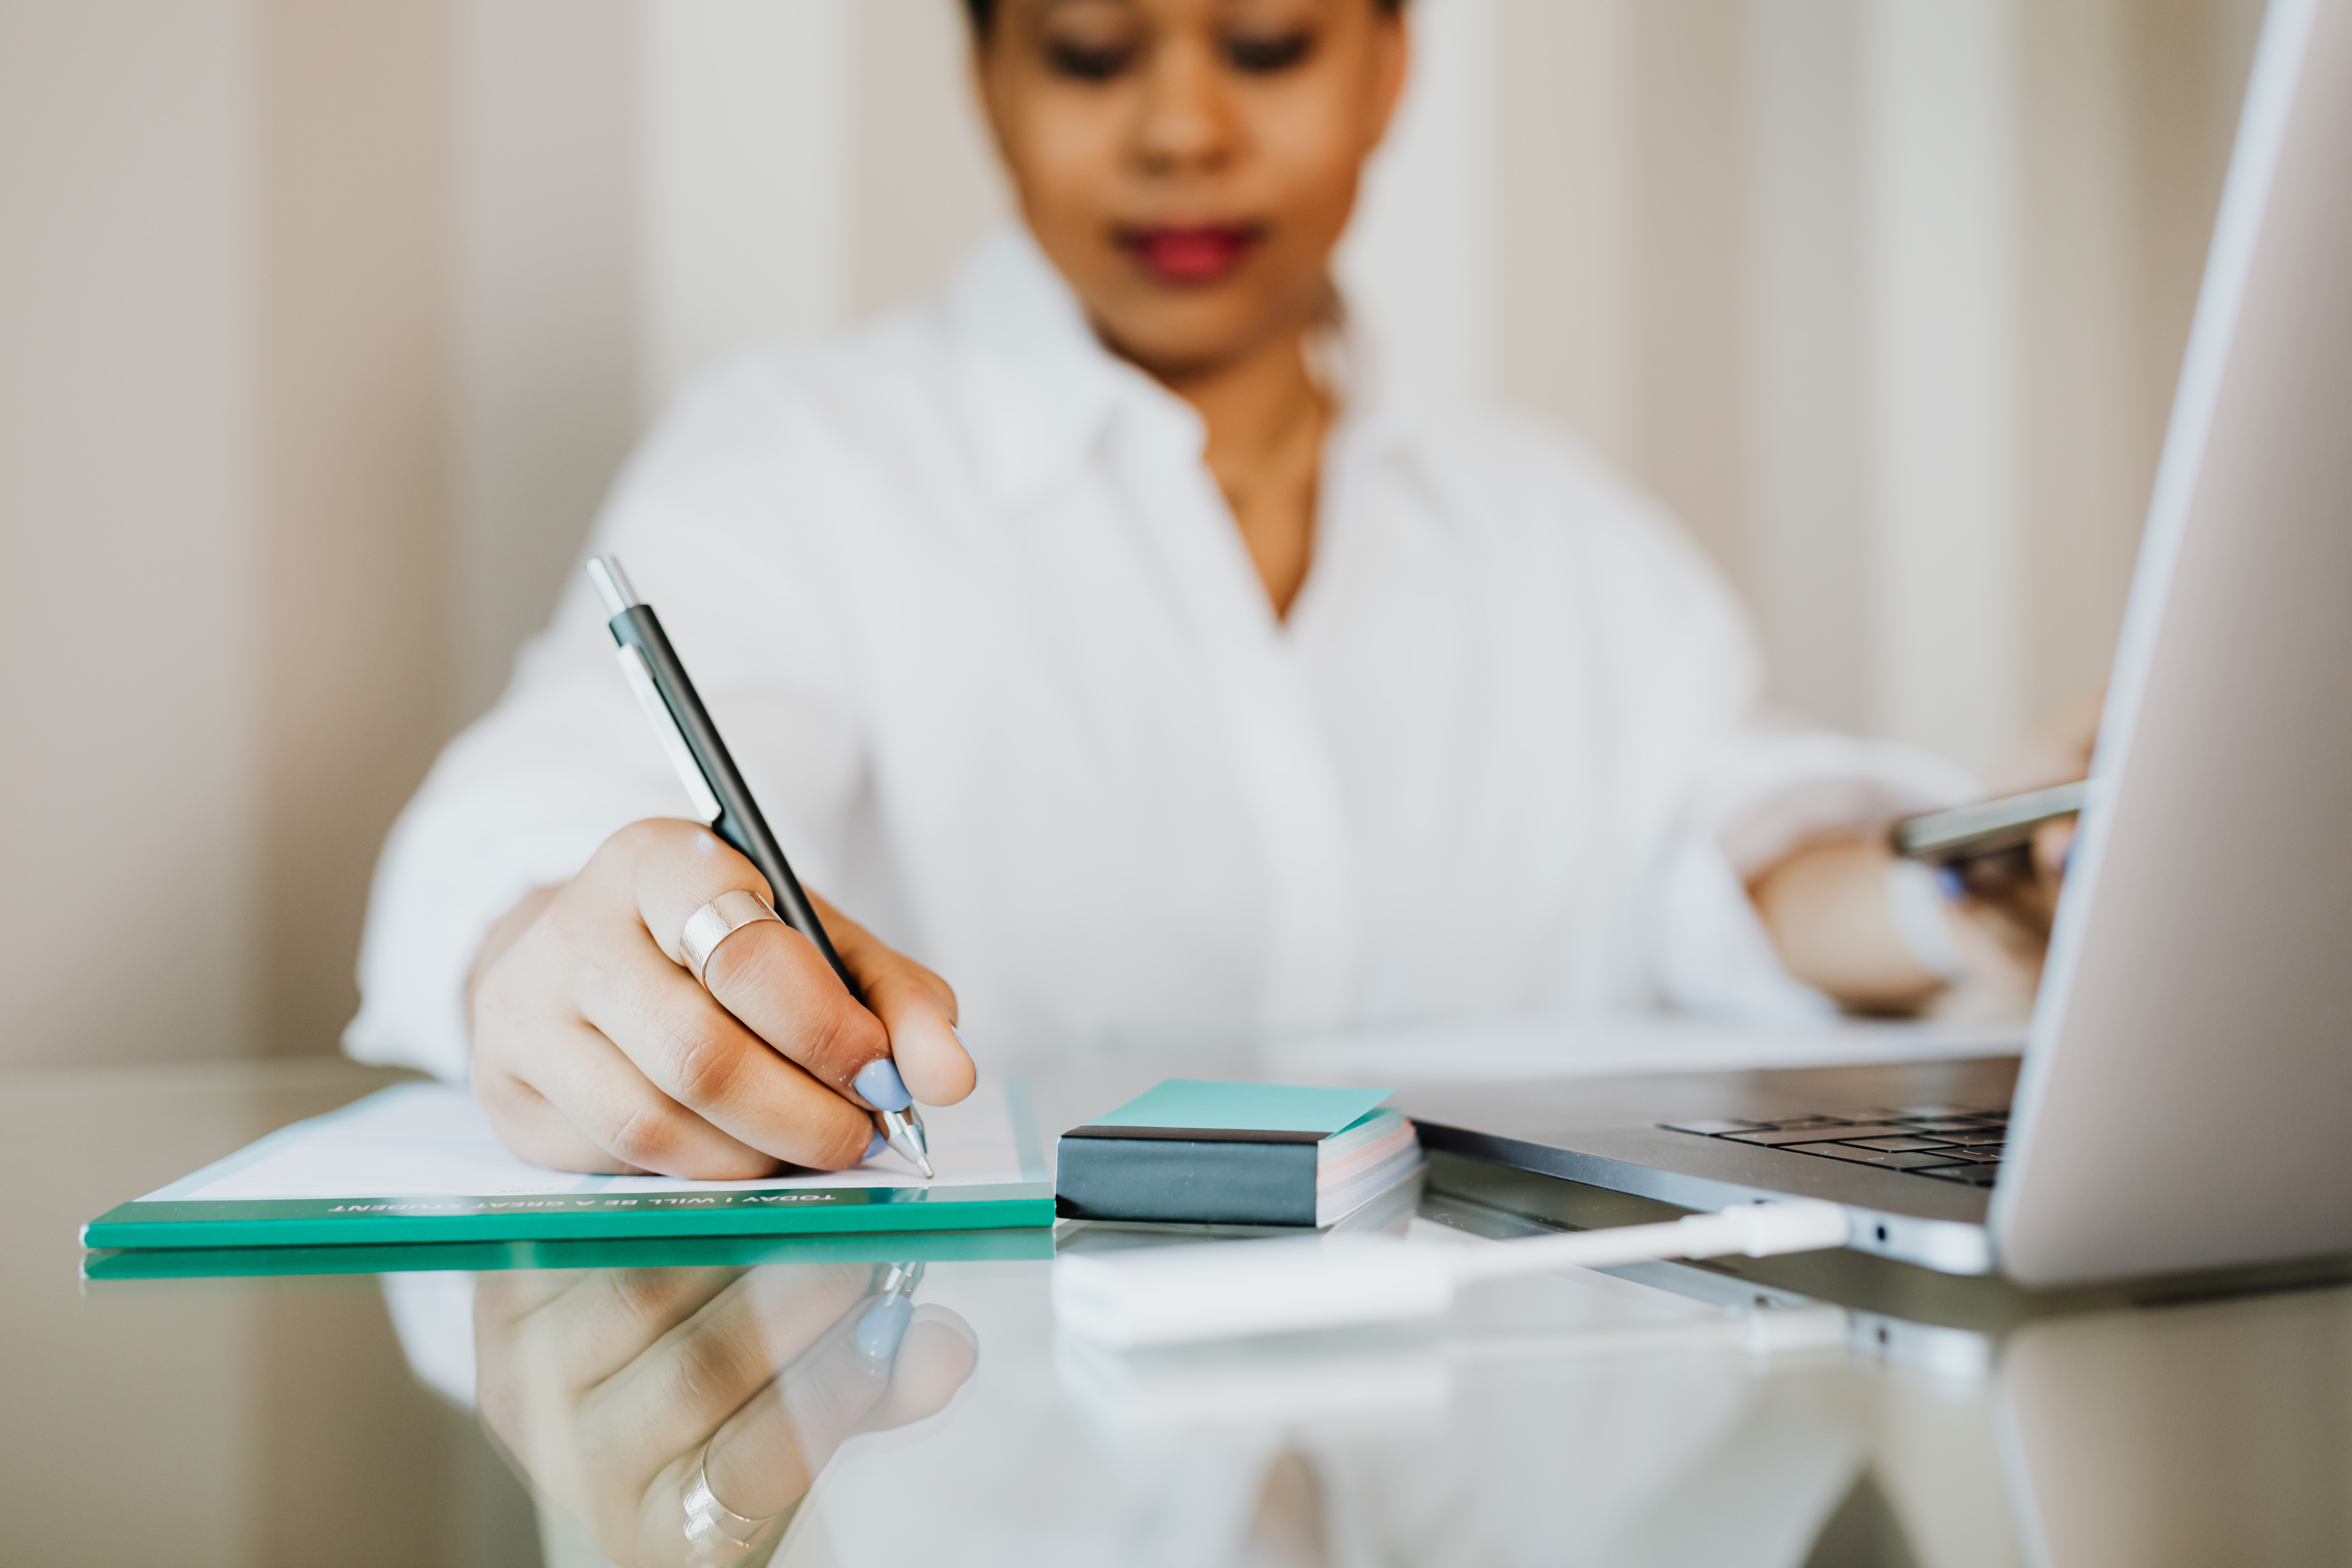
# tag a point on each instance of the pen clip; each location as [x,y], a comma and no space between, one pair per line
[681,757]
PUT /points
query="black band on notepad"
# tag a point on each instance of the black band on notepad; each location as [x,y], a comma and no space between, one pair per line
[1196,1134]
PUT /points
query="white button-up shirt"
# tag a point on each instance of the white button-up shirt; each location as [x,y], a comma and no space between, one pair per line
[986,643]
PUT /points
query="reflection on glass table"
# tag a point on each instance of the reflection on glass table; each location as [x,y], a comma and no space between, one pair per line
[676,1416]
[1584,1418]
[1560,1419]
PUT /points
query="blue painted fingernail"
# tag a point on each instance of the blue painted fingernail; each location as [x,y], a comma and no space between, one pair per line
[874,1145]
[2066,859]
[1951,884]
[883,1326]
[879,1082]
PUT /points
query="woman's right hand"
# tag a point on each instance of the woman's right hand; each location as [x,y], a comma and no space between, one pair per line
[595,1051]
[614,1389]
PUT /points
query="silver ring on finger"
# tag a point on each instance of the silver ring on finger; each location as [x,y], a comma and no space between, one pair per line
[712,1527]
[717,921]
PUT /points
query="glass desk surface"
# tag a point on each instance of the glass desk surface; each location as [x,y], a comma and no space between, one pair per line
[517,1416]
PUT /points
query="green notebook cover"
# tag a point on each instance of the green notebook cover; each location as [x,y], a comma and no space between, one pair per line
[622,1252]
[987,1148]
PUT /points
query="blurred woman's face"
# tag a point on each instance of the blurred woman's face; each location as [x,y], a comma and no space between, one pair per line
[1189,164]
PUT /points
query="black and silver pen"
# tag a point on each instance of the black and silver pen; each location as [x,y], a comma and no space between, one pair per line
[720,797]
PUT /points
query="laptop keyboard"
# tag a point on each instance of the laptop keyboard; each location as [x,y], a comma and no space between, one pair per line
[1948,1142]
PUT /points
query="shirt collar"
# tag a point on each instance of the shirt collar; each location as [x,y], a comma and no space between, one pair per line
[1040,388]
[1037,384]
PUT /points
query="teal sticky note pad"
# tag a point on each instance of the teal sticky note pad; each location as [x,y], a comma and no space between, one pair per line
[1244,1107]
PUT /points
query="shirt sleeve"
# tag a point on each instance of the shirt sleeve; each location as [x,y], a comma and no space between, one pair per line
[1777,785]
[1756,785]
[722,531]
[1712,786]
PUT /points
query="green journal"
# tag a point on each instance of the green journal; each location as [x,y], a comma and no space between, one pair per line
[1200,1150]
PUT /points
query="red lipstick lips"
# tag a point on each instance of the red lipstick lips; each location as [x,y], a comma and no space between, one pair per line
[1189,255]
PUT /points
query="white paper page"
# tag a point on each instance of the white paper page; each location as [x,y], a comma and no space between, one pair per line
[428,1139]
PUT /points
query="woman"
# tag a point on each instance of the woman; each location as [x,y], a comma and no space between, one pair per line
[1114,636]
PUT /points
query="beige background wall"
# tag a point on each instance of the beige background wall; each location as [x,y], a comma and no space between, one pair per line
[324,325]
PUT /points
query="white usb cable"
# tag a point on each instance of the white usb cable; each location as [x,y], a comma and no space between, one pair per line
[1176,1295]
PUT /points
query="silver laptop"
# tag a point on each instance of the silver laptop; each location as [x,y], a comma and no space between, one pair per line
[2184,1098]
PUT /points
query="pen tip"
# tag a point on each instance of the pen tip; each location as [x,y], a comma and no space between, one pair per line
[928,1174]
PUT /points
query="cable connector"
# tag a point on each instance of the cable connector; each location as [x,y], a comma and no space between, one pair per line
[1764,1230]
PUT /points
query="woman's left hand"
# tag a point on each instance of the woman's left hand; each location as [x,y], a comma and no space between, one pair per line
[2003,905]
[1828,908]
